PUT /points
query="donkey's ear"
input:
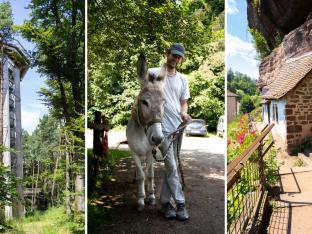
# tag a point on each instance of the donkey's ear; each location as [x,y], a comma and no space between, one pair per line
[162,74]
[142,68]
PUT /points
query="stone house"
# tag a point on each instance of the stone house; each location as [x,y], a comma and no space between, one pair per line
[232,106]
[286,87]
[13,66]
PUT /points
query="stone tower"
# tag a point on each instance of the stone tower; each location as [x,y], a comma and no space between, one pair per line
[14,64]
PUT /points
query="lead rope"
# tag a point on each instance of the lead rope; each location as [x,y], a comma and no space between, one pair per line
[179,144]
[177,136]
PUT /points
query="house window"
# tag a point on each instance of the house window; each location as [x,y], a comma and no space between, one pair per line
[275,113]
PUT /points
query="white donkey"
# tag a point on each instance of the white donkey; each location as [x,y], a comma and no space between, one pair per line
[144,128]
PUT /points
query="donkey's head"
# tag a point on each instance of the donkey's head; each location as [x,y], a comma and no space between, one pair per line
[150,102]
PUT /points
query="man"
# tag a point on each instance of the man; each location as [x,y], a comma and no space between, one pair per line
[176,93]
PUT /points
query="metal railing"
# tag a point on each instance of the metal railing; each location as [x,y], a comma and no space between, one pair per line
[246,184]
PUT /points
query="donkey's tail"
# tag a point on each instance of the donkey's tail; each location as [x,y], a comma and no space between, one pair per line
[125,142]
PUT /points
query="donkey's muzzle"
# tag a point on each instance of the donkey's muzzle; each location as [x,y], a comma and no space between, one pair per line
[157,140]
[154,134]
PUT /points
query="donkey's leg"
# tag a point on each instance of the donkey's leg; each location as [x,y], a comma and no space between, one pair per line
[140,177]
[150,180]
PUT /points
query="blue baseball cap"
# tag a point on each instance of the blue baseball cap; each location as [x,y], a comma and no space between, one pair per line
[177,48]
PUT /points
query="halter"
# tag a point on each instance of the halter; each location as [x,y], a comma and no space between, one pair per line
[150,123]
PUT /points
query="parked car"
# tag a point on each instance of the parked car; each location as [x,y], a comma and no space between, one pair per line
[221,127]
[196,127]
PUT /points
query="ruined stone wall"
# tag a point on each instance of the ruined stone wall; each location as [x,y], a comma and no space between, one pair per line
[298,112]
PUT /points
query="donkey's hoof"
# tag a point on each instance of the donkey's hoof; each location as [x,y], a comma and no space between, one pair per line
[151,201]
[140,208]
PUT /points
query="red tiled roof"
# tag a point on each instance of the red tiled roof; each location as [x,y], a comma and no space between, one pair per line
[288,76]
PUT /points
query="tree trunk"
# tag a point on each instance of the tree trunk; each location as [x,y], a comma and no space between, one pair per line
[53,183]
[67,198]
[32,187]
[79,189]
[36,187]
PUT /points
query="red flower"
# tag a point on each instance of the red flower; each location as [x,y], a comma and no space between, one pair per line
[241,138]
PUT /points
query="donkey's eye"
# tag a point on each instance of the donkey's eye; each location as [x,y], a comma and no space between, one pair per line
[145,103]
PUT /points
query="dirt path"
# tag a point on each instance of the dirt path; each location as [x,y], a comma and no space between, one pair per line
[204,178]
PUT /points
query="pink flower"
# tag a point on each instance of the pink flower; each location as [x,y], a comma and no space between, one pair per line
[241,138]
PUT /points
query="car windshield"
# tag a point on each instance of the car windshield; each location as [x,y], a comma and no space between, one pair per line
[198,122]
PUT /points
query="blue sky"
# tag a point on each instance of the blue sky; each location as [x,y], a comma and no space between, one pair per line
[32,108]
[240,51]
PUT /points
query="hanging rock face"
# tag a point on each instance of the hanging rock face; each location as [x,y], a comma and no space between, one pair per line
[296,44]
[273,18]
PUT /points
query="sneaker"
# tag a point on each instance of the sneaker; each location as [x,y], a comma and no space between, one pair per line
[168,211]
[182,213]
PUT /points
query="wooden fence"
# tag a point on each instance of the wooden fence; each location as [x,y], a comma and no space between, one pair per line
[246,194]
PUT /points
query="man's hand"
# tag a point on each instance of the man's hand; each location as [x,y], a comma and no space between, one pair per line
[185,117]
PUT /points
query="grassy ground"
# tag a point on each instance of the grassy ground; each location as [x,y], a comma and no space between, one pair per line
[52,221]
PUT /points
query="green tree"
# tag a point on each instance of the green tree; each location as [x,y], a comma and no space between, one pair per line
[246,104]
[239,81]
[246,88]
[260,44]
[6,22]
[57,29]
[119,31]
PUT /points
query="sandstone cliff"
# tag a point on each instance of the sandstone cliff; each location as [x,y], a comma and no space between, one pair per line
[295,44]
[276,18]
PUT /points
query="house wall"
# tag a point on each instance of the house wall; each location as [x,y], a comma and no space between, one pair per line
[280,123]
[231,108]
[298,112]
[1,106]
[265,113]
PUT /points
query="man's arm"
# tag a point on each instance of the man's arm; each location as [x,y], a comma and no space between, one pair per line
[184,116]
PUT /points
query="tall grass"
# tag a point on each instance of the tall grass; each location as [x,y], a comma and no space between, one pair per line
[52,221]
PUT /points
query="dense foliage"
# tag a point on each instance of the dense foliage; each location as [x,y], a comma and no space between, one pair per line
[260,44]
[6,22]
[57,29]
[118,31]
[45,164]
[246,89]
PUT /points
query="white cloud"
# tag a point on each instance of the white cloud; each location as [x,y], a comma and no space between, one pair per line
[30,117]
[231,7]
[236,46]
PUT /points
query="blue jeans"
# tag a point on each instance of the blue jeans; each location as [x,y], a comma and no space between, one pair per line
[171,186]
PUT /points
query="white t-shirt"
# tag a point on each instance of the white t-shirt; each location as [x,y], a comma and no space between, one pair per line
[176,90]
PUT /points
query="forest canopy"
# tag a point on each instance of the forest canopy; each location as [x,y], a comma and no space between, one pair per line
[119,31]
